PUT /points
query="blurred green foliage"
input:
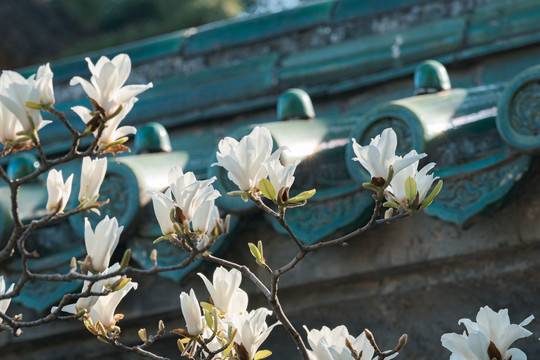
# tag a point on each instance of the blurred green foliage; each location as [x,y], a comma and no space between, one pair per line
[104,23]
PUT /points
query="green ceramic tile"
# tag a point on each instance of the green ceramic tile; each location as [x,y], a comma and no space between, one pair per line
[232,32]
[373,53]
[138,51]
[503,19]
[207,88]
[348,9]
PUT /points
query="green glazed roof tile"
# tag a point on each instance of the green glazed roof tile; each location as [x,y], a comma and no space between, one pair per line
[503,20]
[348,9]
[138,51]
[182,94]
[373,53]
[517,121]
[231,32]
[479,186]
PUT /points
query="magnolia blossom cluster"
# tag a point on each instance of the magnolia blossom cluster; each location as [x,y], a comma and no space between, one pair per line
[111,100]
[331,344]
[405,186]
[226,321]
[187,206]
[21,101]
[253,167]
[92,175]
[223,328]
[490,337]
[100,245]
[245,159]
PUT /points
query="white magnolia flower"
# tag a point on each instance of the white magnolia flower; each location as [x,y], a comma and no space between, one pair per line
[44,81]
[192,313]
[16,91]
[422,179]
[112,131]
[99,286]
[225,291]
[4,304]
[58,191]
[362,345]
[190,193]
[92,175]
[206,217]
[329,344]
[194,196]
[490,327]
[101,244]
[252,329]
[105,306]
[280,176]
[9,125]
[163,204]
[106,84]
[380,154]
[178,181]
[245,160]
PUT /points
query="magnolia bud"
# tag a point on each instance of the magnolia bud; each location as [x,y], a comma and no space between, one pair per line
[142,334]
[153,256]
[402,341]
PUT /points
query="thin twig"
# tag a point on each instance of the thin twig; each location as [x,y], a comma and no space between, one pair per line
[243,269]
[135,349]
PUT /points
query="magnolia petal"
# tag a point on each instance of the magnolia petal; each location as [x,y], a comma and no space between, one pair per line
[83,113]
[387,144]
[407,160]
[510,334]
[124,131]
[516,354]
[122,62]
[87,87]
[130,91]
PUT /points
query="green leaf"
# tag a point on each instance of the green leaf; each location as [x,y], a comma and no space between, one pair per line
[370,186]
[267,189]
[231,336]
[262,354]
[161,238]
[34,105]
[429,199]
[260,247]
[391,204]
[302,196]
[207,306]
[255,252]
[123,283]
[389,177]
[410,189]
[116,112]
[117,142]
[125,259]
[209,319]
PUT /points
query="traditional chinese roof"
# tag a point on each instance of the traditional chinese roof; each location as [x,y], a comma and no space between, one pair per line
[360,65]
